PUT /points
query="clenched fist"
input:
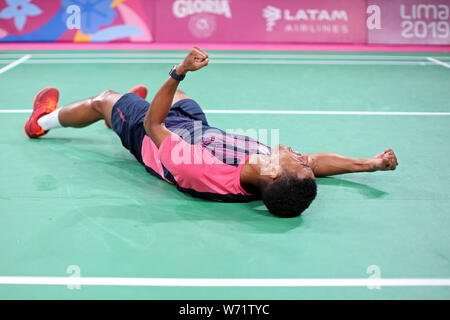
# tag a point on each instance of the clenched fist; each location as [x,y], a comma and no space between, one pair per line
[386,160]
[195,60]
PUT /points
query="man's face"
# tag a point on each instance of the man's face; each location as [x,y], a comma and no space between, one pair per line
[283,157]
[294,162]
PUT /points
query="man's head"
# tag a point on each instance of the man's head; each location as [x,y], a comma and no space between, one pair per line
[287,183]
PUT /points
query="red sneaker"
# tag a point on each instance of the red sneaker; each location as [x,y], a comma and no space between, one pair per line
[140,90]
[45,102]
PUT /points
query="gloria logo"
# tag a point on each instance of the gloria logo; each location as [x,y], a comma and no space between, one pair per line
[202,22]
[273,14]
[184,8]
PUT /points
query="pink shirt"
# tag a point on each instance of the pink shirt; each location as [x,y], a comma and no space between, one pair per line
[194,169]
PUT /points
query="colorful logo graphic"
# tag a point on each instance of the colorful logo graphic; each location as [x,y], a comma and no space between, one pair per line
[75,20]
[19,10]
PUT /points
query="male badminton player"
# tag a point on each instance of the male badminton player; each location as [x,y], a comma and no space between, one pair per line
[172,138]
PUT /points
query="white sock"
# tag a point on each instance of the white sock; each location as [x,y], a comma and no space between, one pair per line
[50,121]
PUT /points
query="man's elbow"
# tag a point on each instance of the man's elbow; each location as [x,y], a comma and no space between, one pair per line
[150,125]
[153,130]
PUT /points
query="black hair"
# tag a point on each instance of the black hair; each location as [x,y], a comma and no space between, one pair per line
[288,195]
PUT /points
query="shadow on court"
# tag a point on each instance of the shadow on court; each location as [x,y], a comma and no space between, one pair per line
[363,189]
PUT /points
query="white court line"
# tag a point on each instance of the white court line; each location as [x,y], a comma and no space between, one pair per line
[319,62]
[16,110]
[222,55]
[293,112]
[308,112]
[191,282]
[227,61]
[439,62]
[15,63]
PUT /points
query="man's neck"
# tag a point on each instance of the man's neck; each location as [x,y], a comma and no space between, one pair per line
[250,175]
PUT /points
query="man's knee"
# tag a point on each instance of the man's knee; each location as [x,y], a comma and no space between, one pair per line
[99,102]
[179,95]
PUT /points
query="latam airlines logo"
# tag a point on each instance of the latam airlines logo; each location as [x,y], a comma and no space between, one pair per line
[202,22]
[273,14]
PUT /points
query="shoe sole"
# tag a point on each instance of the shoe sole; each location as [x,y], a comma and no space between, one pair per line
[36,98]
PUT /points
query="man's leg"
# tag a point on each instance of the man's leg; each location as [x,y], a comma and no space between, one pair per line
[79,114]
[190,109]
[179,95]
[85,112]
[46,114]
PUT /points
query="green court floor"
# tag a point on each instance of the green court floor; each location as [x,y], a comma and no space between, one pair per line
[77,198]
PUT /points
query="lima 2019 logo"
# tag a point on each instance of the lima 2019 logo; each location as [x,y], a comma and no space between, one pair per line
[202,23]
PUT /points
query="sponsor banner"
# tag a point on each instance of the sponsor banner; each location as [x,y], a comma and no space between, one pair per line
[314,21]
[198,20]
[331,21]
[410,22]
[254,21]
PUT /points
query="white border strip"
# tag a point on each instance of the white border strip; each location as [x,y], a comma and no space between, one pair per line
[181,282]
[15,63]
[293,112]
[439,62]
[224,55]
[227,61]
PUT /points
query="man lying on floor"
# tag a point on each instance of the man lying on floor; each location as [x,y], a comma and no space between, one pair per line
[174,142]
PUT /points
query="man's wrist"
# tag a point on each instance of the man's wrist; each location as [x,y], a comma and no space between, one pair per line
[371,164]
[180,70]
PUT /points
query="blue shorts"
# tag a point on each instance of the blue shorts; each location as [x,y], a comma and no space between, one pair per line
[128,114]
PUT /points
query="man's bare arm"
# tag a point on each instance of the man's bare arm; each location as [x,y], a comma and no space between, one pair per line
[156,115]
[328,164]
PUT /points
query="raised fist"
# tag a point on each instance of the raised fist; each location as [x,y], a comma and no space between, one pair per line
[195,60]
